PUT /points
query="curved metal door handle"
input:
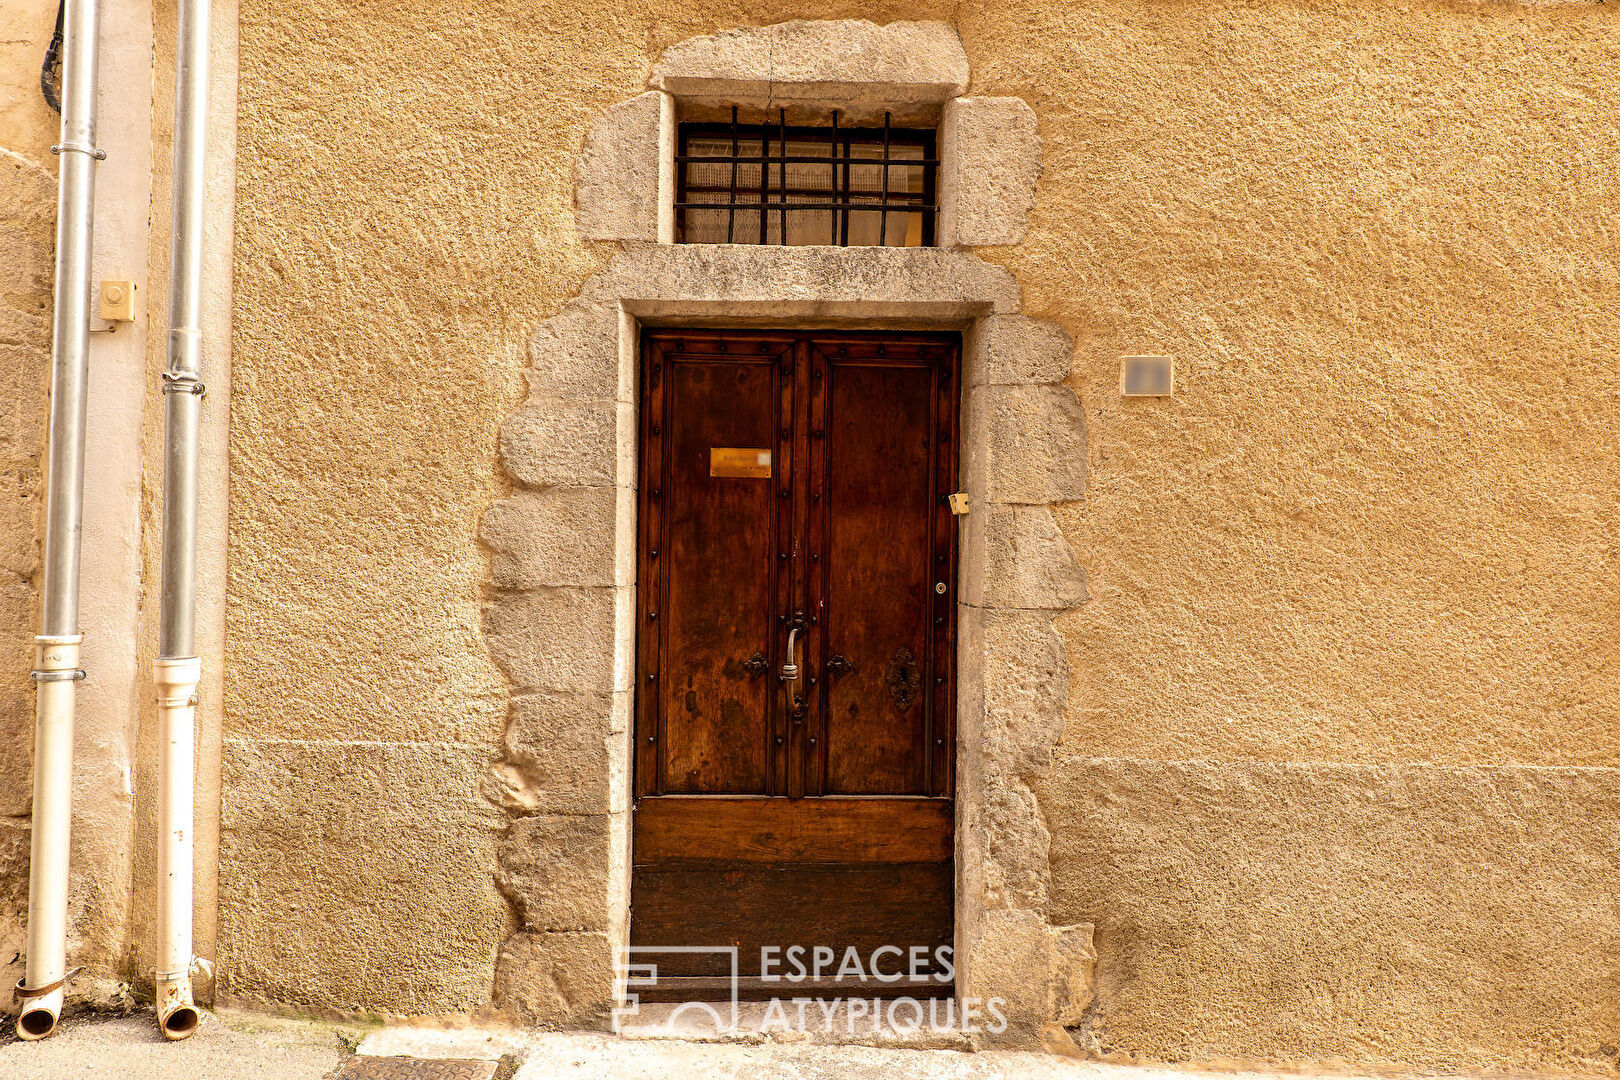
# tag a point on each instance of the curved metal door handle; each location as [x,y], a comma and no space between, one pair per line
[790,669]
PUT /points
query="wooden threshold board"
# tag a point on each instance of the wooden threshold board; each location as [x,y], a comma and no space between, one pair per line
[819,830]
[757,873]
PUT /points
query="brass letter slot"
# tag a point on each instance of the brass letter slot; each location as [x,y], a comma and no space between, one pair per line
[739,461]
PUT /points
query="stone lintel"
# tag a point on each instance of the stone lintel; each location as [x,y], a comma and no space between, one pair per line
[812,67]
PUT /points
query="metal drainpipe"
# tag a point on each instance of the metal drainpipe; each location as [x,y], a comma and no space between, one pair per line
[178,669]
[57,672]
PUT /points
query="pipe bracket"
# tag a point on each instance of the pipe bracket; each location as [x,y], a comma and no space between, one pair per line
[29,993]
[73,675]
[200,965]
[80,148]
[183,382]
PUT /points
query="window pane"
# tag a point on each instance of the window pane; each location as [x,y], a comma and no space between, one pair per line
[811,188]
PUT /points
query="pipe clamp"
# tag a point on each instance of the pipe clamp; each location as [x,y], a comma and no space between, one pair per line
[183,382]
[73,675]
[30,993]
[80,148]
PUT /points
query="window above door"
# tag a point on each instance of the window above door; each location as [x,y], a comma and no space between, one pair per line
[798,184]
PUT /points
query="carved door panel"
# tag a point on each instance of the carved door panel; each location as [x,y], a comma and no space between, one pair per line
[794,725]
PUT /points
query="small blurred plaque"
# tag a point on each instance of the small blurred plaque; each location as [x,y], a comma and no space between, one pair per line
[1147,376]
[739,461]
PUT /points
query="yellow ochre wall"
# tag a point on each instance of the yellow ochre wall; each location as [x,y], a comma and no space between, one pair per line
[1338,780]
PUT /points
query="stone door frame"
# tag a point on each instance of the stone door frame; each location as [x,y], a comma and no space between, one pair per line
[561,614]
[561,619]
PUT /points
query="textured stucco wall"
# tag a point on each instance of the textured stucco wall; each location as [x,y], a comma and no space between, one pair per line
[1352,591]
[1376,526]
[27,215]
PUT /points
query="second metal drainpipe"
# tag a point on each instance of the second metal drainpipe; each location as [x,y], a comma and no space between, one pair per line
[178,669]
[56,672]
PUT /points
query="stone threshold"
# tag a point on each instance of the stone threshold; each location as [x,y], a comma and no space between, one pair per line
[560,1055]
[759,1022]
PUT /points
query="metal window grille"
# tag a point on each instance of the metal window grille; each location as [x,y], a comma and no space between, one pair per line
[792,184]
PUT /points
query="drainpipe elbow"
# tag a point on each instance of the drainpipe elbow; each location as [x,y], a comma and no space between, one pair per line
[39,1014]
[177,1014]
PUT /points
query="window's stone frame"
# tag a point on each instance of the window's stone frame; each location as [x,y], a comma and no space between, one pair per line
[561,616]
[989,148]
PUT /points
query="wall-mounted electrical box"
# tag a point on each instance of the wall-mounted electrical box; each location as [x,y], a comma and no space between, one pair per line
[1147,376]
[118,301]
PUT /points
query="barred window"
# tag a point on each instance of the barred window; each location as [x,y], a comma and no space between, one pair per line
[785,184]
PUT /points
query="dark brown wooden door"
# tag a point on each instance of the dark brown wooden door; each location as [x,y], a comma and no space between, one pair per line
[793,496]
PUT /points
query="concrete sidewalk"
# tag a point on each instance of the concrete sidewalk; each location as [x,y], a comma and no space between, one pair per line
[589,1056]
[238,1046]
[229,1046]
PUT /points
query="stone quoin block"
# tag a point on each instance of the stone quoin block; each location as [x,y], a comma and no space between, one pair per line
[575,355]
[624,180]
[1014,349]
[990,160]
[1011,836]
[1026,444]
[557,979]
[567,753]
[1015,557]
[562,443]
[1015,681]
[558,536]
[560,638]
[1042,973]
[567,872]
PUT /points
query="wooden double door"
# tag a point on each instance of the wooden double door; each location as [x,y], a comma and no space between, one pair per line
[794,728]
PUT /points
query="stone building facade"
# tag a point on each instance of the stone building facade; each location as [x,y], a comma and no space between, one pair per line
[1285,703]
